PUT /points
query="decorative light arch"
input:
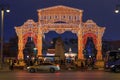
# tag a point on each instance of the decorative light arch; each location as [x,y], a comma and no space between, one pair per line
[60,19]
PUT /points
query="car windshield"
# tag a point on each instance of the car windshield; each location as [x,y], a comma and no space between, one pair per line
[114,56]
[46,64]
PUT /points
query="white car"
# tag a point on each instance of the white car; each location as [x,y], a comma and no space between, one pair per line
[44,67]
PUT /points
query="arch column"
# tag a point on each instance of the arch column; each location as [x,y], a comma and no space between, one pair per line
[80,45]
[99,50]
[39,42]
[20,46]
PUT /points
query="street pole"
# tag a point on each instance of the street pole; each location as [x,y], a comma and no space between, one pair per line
[2,38]
[2,9]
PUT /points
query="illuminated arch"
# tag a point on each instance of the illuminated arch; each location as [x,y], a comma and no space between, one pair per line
[60,19]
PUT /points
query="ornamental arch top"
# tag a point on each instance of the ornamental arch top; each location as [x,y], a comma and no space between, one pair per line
[60,19]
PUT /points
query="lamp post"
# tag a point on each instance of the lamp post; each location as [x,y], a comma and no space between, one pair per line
[3,8]
[117,8]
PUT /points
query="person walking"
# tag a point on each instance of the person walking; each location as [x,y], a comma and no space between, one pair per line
[86,65]
[11,65]
[82,66]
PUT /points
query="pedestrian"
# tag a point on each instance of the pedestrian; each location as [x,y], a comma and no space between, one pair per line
[11,65]
[82,66]
[86,65]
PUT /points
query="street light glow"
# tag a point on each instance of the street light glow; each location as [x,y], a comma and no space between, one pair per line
[117,9]
[8,10]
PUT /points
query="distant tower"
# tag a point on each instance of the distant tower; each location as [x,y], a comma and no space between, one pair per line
[59,48]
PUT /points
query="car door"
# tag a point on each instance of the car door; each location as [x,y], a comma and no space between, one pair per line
[44,66]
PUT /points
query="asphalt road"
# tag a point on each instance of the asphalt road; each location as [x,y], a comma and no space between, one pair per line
[68,75]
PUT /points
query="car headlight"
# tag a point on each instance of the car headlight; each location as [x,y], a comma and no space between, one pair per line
[112,66]
[28,67]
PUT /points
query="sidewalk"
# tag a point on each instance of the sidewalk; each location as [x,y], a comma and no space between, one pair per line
[5,67]
[63,68]
[4,70]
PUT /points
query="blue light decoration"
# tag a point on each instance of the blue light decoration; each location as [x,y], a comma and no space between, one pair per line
[89,49]
[35,51]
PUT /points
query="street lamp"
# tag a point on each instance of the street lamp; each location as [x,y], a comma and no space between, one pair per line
[3,8]
[117,8]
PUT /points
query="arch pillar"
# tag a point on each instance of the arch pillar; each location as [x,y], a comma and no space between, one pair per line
[80,45]
[100,62]
[20,47]
[39,42]
[99,50]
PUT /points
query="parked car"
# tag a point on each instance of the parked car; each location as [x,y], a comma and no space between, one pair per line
[44,67]
[113,61]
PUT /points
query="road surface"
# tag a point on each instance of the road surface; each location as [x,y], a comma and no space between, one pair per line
[76,75]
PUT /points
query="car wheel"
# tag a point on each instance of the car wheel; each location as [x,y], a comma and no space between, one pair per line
[52,70]
[32,70]
[117,69]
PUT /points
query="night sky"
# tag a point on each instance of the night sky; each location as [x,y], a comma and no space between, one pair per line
[100,11]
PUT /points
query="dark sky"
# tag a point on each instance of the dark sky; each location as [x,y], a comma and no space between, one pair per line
[100,11]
